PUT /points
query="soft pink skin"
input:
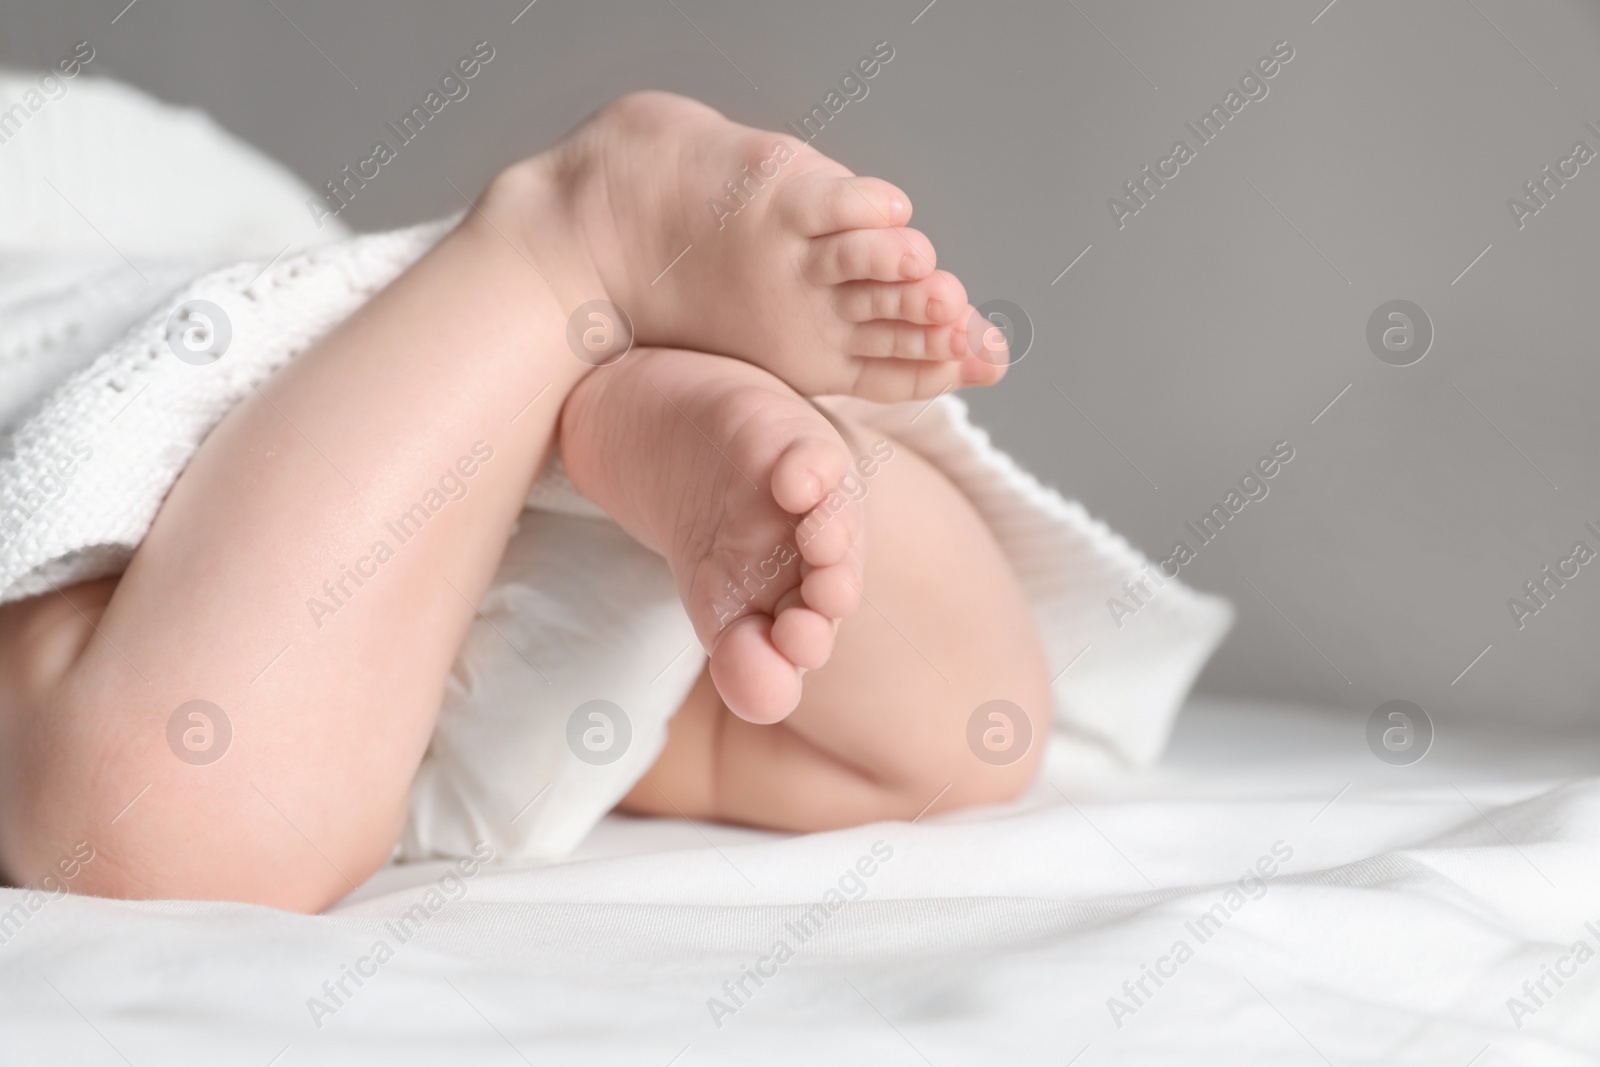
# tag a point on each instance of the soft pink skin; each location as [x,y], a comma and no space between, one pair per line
[313,791]
[738,466]
[881,731]
[817,279]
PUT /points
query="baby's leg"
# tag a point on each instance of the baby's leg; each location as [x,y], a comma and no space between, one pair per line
[260,588]
[679,447]
[883,729]
[413,426]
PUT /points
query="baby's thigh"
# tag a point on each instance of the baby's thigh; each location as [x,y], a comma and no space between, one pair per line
[139,801]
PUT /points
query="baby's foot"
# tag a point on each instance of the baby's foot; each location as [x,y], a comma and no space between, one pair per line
[735,479]
[723,238]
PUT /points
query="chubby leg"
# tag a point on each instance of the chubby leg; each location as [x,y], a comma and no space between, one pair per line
[937,625]
[242,595]
[260,590]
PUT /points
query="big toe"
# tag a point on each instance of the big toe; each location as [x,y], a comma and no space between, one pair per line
[756,681]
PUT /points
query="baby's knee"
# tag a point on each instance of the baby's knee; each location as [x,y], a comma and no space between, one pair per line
[966,749]
[990,754]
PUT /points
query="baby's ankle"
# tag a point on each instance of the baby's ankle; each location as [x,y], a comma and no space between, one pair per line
[526,207]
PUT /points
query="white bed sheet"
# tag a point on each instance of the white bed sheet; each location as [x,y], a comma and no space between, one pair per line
[1417,900]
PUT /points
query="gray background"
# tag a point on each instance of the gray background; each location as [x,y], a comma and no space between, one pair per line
[1220,320]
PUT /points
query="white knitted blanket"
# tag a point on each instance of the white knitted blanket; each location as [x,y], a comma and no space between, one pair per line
[87,472]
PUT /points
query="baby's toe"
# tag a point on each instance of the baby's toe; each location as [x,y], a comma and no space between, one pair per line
[938,298]
[886,255]
[986,340]
[819,203]
[833,592]
[888,381]
[803,636]
[755,679]
[982,370]
[807,471]
[888,339]
[831,529]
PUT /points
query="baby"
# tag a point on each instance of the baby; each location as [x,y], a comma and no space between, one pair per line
[700,442]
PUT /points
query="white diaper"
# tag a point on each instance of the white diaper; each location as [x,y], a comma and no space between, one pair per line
[560,696]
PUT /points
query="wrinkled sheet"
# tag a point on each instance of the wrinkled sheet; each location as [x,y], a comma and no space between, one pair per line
[1405,908]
